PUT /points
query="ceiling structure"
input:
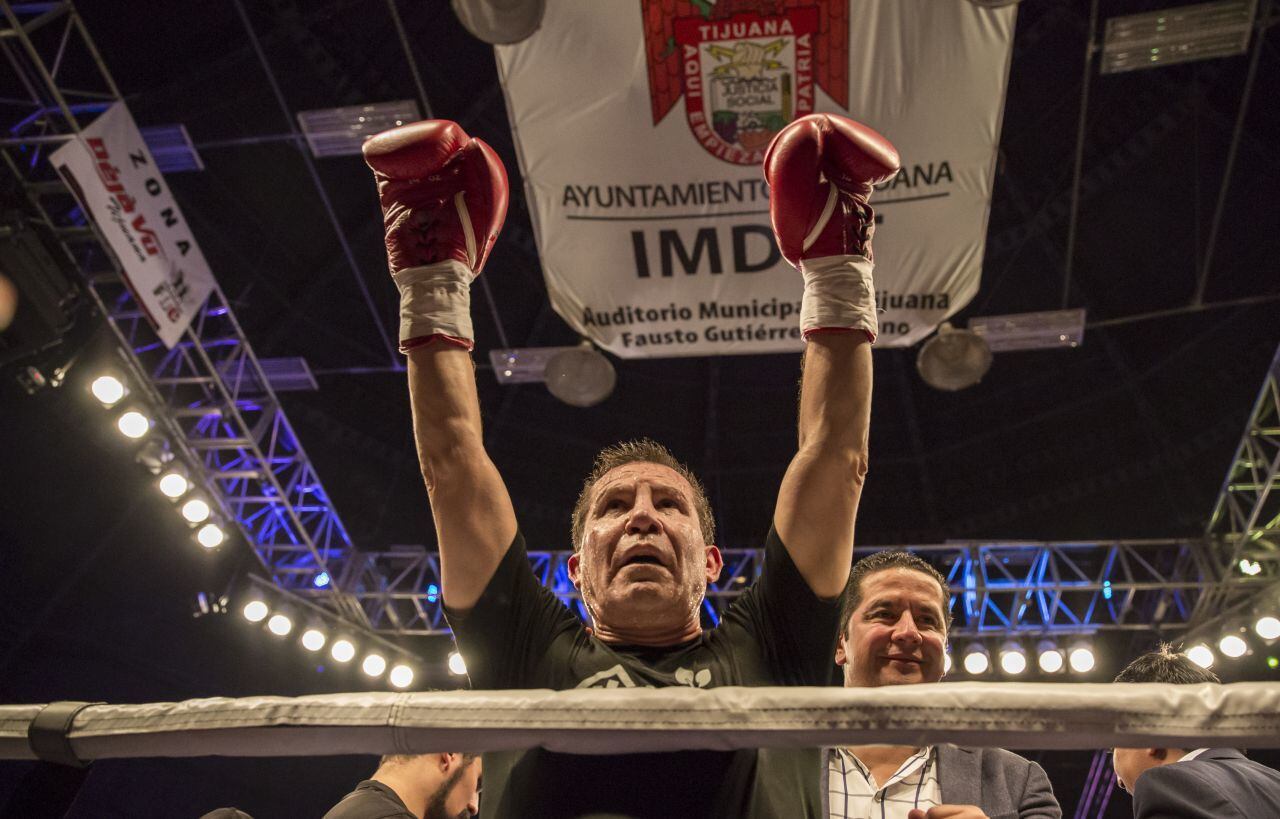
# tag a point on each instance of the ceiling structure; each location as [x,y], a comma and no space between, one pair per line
[1127,436]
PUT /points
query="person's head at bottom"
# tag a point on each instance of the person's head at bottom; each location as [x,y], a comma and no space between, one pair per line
[1160,666]
[434,786]
[643,540]
[895,615]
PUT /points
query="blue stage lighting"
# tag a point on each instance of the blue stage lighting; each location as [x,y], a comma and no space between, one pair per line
[321,580]
[433,593]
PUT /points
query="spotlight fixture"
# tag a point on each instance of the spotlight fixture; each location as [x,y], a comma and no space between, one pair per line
[210,536]
[196,510]
[1233,645]
[280,624]
[133,424]
[313,639]
[946,663]
[1201,655]
[174,484]
[976,659]
[401,676]
[321,580]
[255,611]
[953,359]
[107,389]
[342,650]
[456,664]
[1013,659]
[1267,627]
[374,665]
[1081,658]
[1050,657]
[580,376]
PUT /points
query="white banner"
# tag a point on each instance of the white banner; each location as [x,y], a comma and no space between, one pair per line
[119,186]
[652,222]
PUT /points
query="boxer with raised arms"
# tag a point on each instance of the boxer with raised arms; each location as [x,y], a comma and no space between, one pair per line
[643,531]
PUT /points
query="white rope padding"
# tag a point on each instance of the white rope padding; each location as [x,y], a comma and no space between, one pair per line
[620,720]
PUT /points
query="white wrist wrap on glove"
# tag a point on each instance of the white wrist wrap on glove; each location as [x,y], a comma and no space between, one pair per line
[838,294]
[435,299]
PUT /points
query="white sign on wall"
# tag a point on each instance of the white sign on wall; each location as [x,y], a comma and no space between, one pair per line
[119,186]
[641,126]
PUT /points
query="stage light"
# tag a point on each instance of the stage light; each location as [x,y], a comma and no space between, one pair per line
[1201,655]
[401,676]
[1252,568]
[342,651]
[1268,627]
[210,536]
[374,665]
[1081,659]
[280,625]
[133,424]
[1273,662]
[313,639]
[1233,645]
[174,485]
[255,611]
[580,376]
[953,359]
[976,659]
[1050,657]
[195,511]
[108,389]
[456,664]
[946,663]
[321,580]
[1013,659]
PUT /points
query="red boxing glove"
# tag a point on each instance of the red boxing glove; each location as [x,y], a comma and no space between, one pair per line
[820,170]
[444,199]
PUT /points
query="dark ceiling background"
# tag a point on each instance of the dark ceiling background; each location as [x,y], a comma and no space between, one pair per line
[1127,436]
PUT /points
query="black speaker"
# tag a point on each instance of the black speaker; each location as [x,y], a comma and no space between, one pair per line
[47,293]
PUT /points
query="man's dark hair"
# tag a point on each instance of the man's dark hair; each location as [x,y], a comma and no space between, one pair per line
[1164,665]
[632,452]
[883,561]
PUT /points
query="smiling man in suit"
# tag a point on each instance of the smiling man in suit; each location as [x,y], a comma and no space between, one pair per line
[895,616]
[1199,783]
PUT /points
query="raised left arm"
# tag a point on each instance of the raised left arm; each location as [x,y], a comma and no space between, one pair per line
[821,170]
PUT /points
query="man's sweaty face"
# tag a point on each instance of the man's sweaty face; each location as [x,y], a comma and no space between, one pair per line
[643,561]
[897,635]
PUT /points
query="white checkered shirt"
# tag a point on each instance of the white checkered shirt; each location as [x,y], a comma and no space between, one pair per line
[854,794]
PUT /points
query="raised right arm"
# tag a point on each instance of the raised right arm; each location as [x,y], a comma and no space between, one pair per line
[475,522]
[444,198]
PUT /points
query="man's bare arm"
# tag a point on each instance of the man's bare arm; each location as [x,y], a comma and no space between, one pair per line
[475,522]
[444,199]
[818,501]
[821,171]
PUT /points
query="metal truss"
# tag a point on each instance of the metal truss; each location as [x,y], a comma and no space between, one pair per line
[215,407]
[998,588]
[1244,529]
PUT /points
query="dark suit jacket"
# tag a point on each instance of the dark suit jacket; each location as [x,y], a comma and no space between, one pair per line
[1218,784]
[1003,784]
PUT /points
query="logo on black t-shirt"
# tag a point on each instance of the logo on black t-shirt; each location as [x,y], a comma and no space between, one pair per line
[617,677]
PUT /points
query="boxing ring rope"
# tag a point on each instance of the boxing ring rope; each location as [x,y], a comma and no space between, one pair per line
[609,721]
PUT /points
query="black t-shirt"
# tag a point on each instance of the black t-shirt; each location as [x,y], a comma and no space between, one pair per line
[778,632]
[370,800]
